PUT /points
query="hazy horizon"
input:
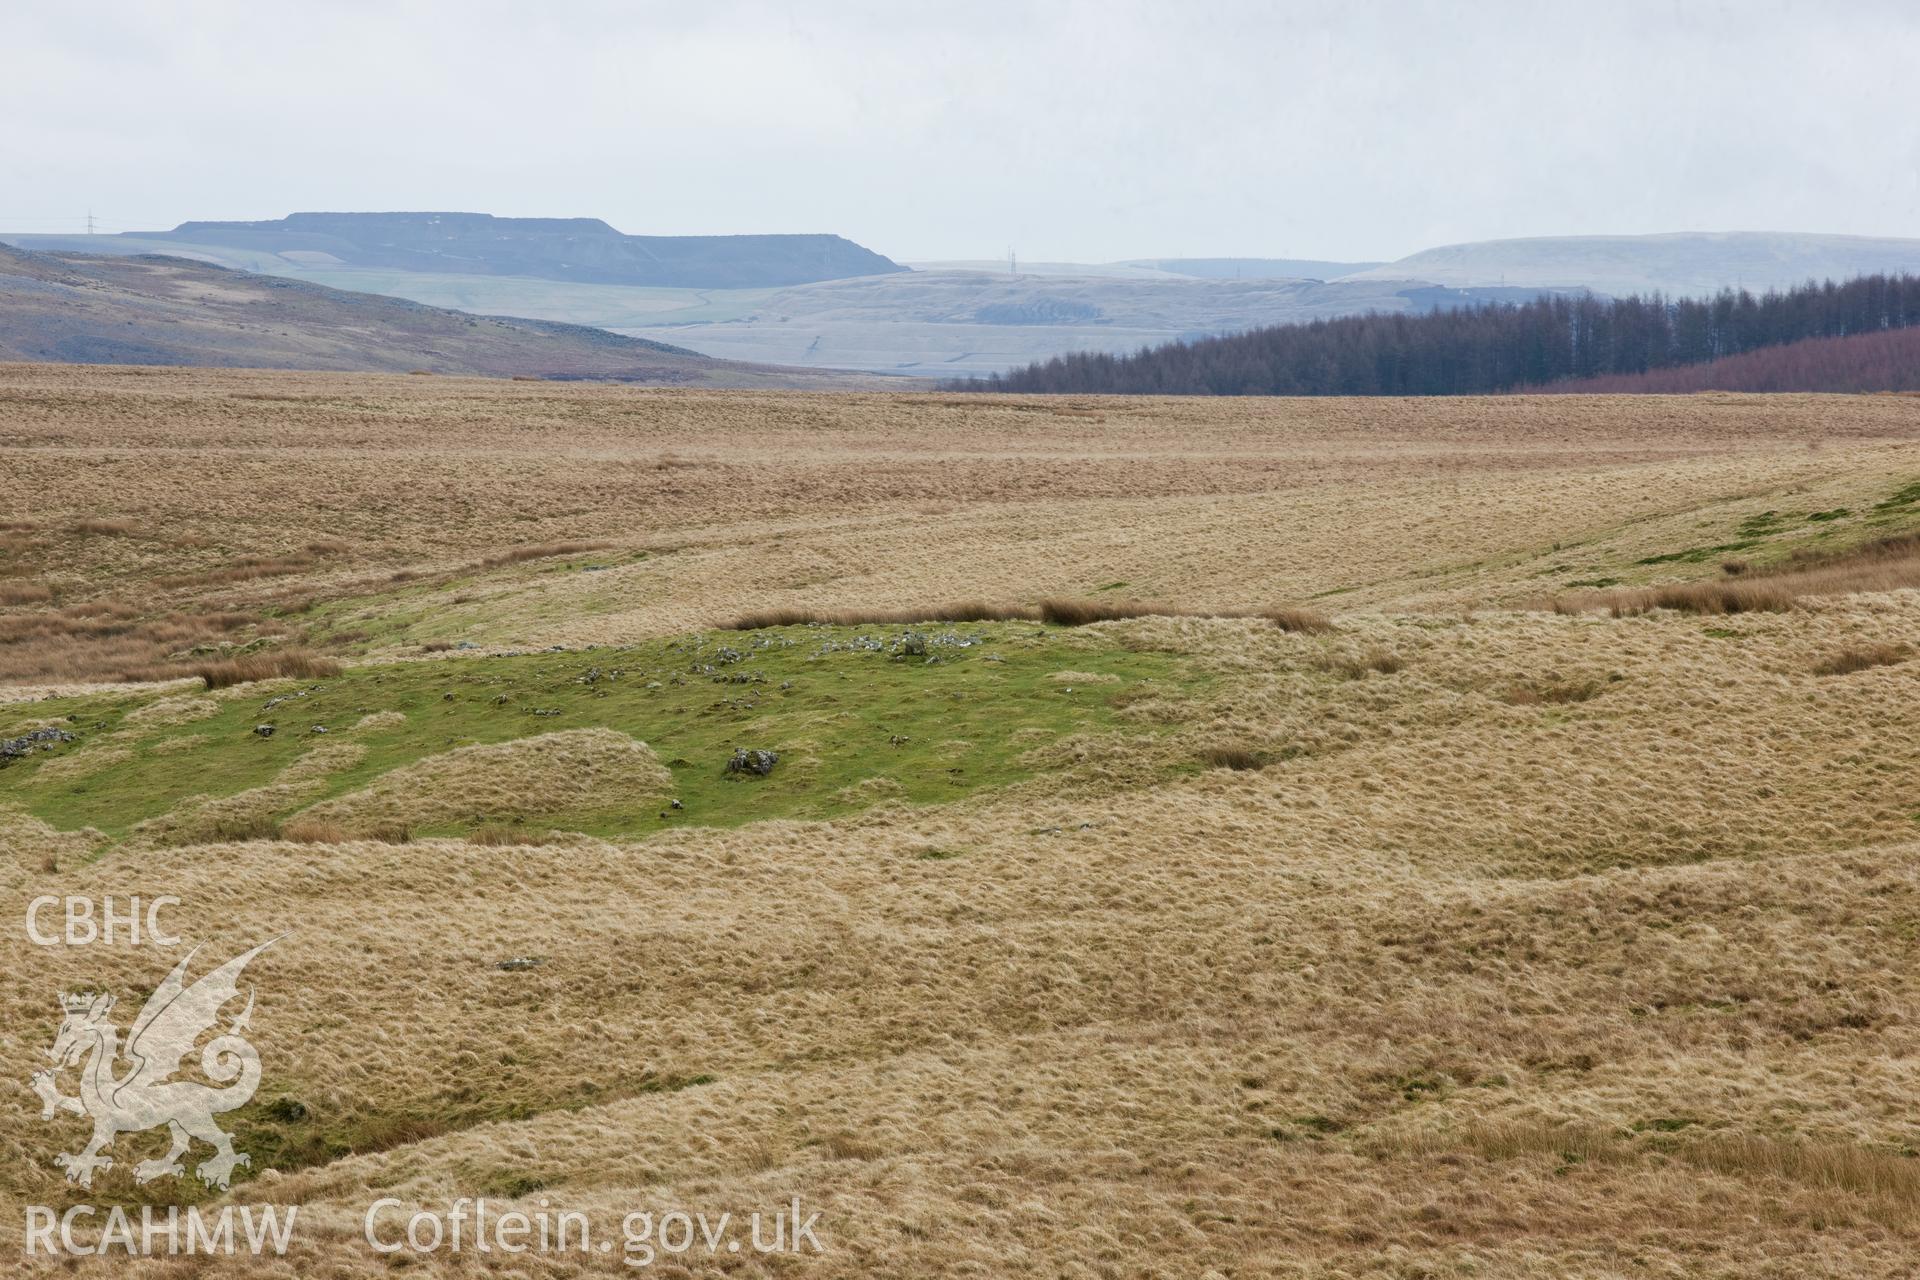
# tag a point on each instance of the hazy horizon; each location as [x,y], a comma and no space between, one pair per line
[1071,132]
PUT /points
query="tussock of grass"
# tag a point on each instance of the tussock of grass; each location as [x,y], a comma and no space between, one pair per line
[1305,621]
[107,640]
[1080,612]
[330,757]
[312,831]
[24,593]
[962,611]
[1350,666]
[1862,658]
[273,664]
[1060,612]
[546,774]
[1891,1178]
[1750,595]
[505,835]
[98,527]
[1237,758]
[541,551]
[180,709]
[1887,564]
[225,829]
[1548,693]
[1853,1169]
[241,569]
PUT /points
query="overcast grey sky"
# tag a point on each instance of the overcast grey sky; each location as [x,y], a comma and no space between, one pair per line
[1070,130]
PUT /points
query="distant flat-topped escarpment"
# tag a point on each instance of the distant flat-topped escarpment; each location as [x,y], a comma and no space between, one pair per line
[585,250]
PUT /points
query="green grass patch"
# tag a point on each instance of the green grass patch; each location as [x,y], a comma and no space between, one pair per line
[1903,497]
[1697,555]
[1761,525]
[854,716]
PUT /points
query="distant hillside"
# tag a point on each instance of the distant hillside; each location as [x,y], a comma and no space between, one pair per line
[77,309]
[1484,348]
[1683,264]
[1161,268]
[947,323]
[1258,268]
[820,302]
[579,249]
[1888,361]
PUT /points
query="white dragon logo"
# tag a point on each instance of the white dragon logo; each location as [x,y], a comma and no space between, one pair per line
[143,1098]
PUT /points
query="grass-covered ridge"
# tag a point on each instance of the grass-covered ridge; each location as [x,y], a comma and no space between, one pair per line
[856,715]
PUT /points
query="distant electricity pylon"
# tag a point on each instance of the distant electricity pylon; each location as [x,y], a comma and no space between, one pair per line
[1013,264]
[89,222]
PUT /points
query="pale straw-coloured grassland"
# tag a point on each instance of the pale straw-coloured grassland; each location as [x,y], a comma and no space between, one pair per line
[1545,934]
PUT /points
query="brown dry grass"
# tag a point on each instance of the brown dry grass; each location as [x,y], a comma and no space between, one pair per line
[1882,564]
[1358,666]
[95,526]
[527,777]
[109,639]
[1862,658]
[967,611]
[274,664]
[1079,613]
[822,504]
[1058,612]
[1887,1181]
[1554,692]
[1540,946]
[243,569]
[24,593]
[542,551]
[1232,758]
[310,831]
[500,835]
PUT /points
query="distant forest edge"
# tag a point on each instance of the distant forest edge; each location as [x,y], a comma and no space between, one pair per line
[1550,343]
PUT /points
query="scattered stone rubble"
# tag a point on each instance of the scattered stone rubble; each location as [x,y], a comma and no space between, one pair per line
[42,739]
[754,761]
